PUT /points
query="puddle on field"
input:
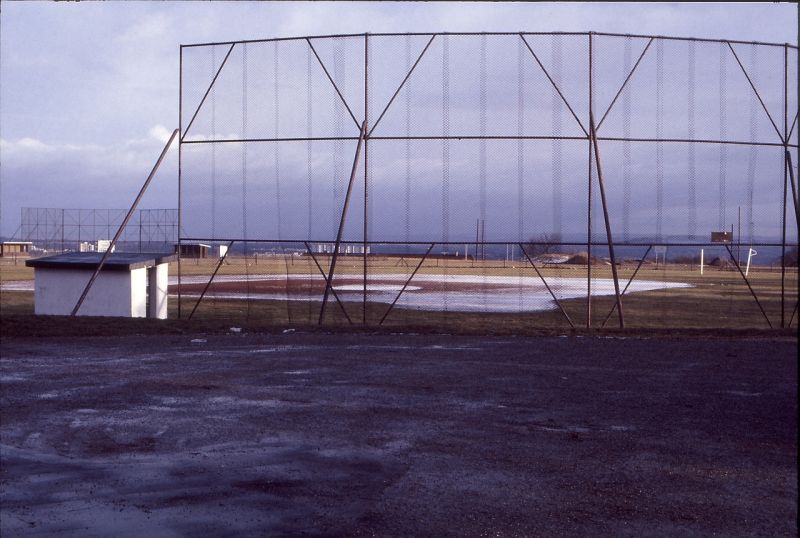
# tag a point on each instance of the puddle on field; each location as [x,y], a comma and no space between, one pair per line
[437,292]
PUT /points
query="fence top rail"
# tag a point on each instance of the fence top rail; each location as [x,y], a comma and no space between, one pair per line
[521,32]
[96,209]
[491,137]
[358,242]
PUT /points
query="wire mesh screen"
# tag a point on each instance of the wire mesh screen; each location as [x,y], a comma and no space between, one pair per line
[59,229]
[475,167]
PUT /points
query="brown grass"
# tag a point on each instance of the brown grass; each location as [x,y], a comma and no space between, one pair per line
[718,300]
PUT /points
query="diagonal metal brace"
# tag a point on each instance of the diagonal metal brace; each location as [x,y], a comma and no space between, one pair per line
[322,272]
[407,283]
[602,119]
[203,100]
[614,307]
[210,280]
[138,199]
[555,86]
[753,86]
[752,292]
[374,125]
[553,295]
[601,183]
[335,87]
[790,166]
[329,280]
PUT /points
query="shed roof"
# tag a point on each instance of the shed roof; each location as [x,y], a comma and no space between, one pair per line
[117,261]
[185,244]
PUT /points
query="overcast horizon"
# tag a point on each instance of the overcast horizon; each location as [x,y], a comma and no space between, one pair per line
[89,91]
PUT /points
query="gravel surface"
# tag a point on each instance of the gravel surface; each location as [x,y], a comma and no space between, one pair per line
[305,434]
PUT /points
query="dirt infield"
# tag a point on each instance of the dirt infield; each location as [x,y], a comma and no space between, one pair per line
[319,434]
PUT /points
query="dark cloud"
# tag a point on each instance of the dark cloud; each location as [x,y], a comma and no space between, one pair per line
[85,83]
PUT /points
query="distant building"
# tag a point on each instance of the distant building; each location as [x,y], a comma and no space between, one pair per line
[193,250]
[345,249]
[103,244]
[15,248]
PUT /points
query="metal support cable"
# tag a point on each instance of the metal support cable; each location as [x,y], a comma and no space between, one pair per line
[244,144]
[752,157]
[213,149]
[244,174]
[659,134]
[309,143]
[556,146]
[276,130]
[445,156]
[445,142]
[339,79]
[482,130]
[723,149]
[626,146]
[520,142]
[692,158]
[407,100]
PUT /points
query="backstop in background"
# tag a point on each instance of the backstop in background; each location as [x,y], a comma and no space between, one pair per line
[443,174]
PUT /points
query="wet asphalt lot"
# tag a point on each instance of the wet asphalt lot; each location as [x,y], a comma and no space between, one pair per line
[397,435]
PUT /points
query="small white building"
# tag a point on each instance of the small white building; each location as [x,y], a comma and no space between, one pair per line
[130,284]
[346,249]
[103,244]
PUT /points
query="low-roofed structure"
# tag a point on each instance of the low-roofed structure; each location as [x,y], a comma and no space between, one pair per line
[15,248]
[129,285]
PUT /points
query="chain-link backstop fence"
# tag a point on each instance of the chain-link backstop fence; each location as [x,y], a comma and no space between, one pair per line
[491,179]
[58,229]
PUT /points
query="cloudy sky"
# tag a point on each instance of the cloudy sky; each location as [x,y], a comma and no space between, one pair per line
[89,90]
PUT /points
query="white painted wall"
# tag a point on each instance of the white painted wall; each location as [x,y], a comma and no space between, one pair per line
[158,281]
[114,293]
[138,293]
[57,290]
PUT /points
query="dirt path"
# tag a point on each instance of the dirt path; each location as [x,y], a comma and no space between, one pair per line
[397,435]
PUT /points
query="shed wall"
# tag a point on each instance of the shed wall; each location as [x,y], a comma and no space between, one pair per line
[58,290]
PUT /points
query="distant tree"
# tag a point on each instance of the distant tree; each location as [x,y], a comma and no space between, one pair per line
[545,243]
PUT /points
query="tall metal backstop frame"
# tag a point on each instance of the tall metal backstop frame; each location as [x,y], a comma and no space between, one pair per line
[62,229]
[424,145]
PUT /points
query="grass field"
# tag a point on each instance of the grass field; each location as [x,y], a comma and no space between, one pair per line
[717,299]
